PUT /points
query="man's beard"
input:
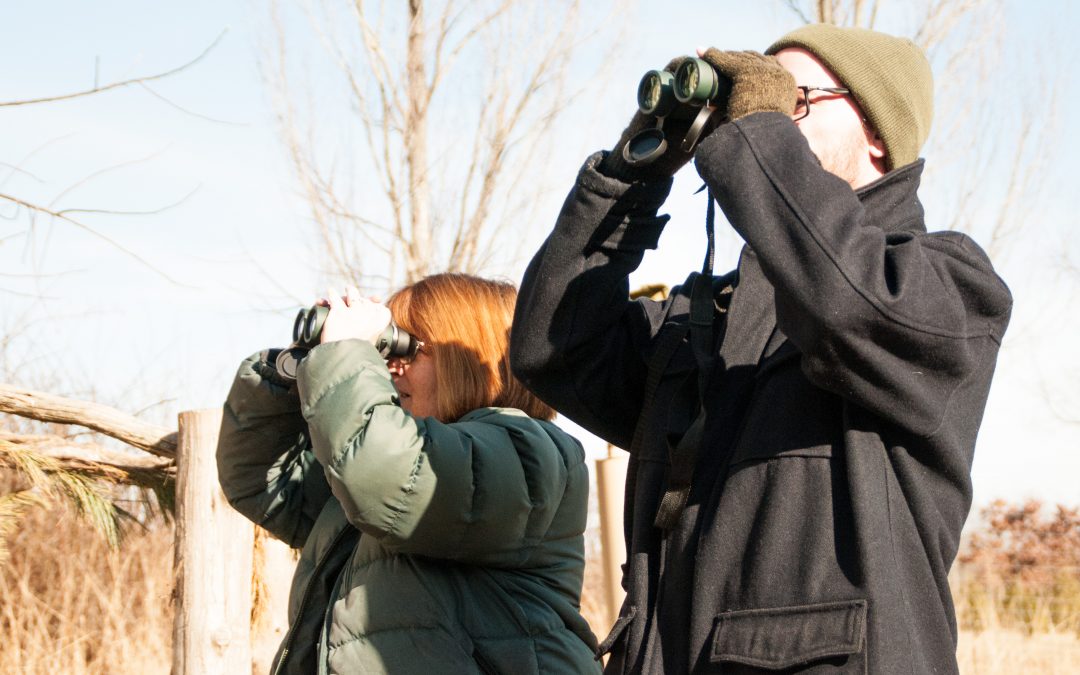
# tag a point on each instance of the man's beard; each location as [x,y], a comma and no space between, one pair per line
[841,157]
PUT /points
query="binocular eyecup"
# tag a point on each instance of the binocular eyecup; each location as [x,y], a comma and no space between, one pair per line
[307,329]
[694,91]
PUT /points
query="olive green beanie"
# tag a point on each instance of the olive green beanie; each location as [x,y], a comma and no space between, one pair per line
[889,77]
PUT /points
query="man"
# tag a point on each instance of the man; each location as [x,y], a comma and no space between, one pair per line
[801,474]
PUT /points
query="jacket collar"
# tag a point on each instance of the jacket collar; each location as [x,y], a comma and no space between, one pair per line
[892,200]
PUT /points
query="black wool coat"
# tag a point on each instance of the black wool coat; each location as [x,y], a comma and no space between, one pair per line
[853,361]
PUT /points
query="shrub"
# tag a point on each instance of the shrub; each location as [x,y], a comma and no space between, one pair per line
[1021,570]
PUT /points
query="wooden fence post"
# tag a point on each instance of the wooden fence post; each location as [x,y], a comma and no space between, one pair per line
[213,560]
[215,627]
[275,563]
[610,486]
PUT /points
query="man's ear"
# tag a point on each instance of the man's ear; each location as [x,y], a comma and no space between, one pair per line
[876,148]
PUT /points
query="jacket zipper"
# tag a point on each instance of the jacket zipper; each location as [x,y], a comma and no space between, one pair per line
[304,599]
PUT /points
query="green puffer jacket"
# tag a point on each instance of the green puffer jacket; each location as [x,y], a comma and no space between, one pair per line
[427,547]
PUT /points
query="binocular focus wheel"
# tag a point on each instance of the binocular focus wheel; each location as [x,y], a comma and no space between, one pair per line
[645,147]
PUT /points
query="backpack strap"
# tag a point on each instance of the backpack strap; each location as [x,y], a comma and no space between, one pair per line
[685,454]
[667,342]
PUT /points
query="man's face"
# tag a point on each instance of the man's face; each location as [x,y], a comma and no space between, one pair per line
[834,128]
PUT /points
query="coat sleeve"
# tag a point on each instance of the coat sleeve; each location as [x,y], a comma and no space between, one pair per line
[577,341]
[265,464]
[481,492]
[891,322]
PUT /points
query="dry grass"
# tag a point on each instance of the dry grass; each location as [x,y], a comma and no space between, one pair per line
[70,605]
[1016,590]
[1018,635]
[1008,652]
[593,604]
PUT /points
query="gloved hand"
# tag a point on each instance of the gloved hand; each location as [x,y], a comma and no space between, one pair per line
[758,83]
[671,161]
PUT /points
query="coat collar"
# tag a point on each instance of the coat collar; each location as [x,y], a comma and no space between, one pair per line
[892,200]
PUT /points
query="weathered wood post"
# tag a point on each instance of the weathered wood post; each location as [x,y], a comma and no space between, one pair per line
[275,563]
[215,627]
[213,560]
[610,486]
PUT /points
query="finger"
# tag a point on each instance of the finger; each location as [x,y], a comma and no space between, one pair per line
[727,63]
[332,298]
[701,51]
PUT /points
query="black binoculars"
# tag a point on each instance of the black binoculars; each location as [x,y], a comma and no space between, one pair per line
[307,328]
[694,91]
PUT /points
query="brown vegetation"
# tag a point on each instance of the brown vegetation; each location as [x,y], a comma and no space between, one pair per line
[70,604]
[1021,571]
[1017,591]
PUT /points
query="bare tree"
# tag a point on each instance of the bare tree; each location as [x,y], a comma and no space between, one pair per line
[33,210]
[41,457]
[454,102]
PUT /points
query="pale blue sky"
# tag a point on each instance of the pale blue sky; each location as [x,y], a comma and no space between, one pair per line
[101,321]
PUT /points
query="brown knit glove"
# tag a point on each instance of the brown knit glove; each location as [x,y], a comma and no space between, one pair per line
[670,162]
[758,83]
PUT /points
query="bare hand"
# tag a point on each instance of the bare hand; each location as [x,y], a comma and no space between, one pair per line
[353,317]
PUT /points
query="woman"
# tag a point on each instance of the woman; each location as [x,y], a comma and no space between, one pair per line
[439,510]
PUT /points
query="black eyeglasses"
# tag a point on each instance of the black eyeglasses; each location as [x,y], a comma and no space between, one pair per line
[802,105]
[406,360]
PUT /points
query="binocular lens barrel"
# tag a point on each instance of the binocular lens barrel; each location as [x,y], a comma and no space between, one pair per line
[693,93]
[696,82]
[307,329]
[655,93]
[396,342]
[309,324]
[298,326]
[313,325]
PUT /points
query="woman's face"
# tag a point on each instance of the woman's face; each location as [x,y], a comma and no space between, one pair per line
[415,383]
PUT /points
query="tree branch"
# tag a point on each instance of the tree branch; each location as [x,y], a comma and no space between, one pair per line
[90,459]
[43,407]
[116,85]
[60,214]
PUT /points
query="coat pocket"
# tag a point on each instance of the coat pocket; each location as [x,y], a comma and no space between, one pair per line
[784,637]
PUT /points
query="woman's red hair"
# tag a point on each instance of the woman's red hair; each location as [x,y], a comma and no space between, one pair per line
[464,322]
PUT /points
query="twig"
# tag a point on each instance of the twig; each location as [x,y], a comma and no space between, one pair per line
[87,228]
[101,172]
[114,212]
[184,110]
[119,84]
